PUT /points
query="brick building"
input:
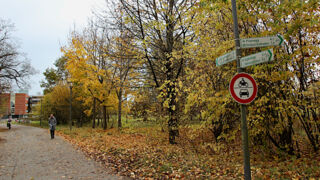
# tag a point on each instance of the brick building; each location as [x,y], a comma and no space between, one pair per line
[21,104]
[5,107]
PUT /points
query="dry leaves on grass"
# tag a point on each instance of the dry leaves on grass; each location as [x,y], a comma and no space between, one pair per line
[146,157]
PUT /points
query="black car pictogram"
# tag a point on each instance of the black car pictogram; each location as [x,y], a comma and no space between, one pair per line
[244,92]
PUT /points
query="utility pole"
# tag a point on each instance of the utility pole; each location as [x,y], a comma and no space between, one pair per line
[244,128]
[40,112]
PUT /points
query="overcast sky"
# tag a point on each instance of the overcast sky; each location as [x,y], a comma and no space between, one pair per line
[42,26]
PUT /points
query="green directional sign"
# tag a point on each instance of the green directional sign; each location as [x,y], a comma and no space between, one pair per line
[261,41]
[261,57]
[231,56]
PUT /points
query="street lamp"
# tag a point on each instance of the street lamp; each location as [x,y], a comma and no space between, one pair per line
[70,113]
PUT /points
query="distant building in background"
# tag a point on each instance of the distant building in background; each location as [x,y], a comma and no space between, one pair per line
[21,104]
[17,104]
[33,101]
[12,102]
[5,105]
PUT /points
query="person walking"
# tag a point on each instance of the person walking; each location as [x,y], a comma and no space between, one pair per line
[52,125]
[9,122]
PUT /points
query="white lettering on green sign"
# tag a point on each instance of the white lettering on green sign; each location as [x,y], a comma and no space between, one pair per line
[231,56]
[261,41]
[264,56]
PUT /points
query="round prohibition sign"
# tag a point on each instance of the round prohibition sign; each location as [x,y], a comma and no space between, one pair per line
[243,88]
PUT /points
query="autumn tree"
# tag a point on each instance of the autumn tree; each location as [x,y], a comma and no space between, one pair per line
[123,53]
[54,75]
[282,83]
[293,71]
[160,29]
[91,68]
[145,103]
[57,101]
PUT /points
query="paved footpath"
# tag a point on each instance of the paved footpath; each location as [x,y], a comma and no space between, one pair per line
[28,153]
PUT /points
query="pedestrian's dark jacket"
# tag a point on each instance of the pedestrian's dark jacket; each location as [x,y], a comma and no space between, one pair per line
[52,123]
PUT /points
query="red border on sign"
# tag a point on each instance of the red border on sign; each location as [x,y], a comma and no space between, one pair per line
[233,94]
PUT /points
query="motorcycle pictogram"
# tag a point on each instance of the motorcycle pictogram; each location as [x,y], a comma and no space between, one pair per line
[243,83]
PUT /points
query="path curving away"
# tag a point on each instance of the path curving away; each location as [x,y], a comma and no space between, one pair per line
[28,153]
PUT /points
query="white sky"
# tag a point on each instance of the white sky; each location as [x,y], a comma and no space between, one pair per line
[42,26]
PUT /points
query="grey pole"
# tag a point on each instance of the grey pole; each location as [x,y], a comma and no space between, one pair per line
[40,111]
[70,114]
[244,128]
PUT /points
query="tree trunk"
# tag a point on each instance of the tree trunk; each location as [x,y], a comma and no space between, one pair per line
[119,108]
[81,119]
[108,117]
[171,96]
[173,121]
[145,114]
[78,121]
[94,114]
[104,108]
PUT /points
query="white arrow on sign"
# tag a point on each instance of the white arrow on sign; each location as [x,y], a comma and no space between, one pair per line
[231,56]
[261,41]
[264,56]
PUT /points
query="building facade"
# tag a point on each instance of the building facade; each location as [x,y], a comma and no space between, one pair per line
[21,104]
[5,105]
[17,104]
[33,101]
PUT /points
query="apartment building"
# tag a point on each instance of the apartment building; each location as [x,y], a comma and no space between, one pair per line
[5,105]
[13,104]
[21,104]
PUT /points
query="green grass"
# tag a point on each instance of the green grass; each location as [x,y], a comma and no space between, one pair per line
[127,122]
[44,124]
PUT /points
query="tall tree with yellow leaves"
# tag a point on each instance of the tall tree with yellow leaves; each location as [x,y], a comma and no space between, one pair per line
[160,29]
[90,67]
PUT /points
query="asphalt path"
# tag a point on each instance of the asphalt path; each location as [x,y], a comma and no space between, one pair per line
[28,153]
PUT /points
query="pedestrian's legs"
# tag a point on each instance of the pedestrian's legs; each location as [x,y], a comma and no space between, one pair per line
[52,134]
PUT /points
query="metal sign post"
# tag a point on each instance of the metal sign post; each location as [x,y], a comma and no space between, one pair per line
[244,128]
